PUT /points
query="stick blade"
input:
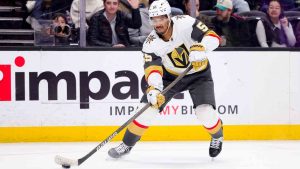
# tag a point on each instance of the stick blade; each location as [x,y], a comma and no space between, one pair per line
[65,161]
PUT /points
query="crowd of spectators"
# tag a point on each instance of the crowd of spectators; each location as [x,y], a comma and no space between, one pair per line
[123,23]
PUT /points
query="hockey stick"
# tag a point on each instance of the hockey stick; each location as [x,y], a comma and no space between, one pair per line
[67,163]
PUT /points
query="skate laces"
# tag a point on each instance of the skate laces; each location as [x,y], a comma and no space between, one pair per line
[215,142]
[122,148]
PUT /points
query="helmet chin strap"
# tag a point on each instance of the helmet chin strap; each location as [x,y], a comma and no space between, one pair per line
[163,34]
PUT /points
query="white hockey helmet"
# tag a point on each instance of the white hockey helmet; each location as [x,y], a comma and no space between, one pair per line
[159,7]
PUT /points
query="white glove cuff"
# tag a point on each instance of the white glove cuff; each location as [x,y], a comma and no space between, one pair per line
[155,80]
[210,43]
[197,56]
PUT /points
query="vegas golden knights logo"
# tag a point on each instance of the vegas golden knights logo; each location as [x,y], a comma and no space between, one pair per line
[180,57]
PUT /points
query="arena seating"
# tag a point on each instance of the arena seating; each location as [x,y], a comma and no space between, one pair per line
[13,28]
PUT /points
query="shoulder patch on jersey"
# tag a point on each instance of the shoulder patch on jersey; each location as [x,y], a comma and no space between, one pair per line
[150,39]
[177,17]
[183,22]
[150,43]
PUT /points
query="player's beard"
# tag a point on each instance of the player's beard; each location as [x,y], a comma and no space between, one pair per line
[163,33]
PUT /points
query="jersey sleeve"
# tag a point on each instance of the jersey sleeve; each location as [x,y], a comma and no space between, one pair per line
[152,64]
[200,30]
[152,61]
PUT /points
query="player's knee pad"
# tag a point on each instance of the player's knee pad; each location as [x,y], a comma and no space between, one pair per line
[141,124]
[207,115]
[147,117]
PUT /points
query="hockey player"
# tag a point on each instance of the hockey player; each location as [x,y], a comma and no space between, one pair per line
[170,48]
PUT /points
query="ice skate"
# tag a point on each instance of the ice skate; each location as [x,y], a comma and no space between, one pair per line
[119,151]
[215,147]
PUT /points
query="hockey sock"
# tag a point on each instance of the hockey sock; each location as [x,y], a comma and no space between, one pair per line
[134,133]
[217,130]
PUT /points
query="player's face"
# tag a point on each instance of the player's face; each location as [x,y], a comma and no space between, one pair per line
[111,6]
[160,23]
[223,15]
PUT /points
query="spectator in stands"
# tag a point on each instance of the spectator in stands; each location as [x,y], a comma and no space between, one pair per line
[40,11]
[45,10]
[187,7]
[109,26]
[187,10]
[276,31]
[240,6]
[233,29]
[285,4]
[61,29]
[205,4]
[138,36]
[91,7]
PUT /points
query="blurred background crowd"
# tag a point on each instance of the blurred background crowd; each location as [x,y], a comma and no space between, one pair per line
[125,23]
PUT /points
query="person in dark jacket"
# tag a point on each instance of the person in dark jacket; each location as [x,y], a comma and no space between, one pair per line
[233,29]
[109,27]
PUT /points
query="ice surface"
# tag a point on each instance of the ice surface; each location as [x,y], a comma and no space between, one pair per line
[156,155]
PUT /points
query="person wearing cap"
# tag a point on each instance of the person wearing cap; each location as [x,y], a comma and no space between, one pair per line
[239,6]
[233,29]
[175,44]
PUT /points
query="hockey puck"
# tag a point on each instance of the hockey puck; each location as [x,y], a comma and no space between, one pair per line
[66,166]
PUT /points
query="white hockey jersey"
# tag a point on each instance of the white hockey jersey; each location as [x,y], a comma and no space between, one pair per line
[173,55]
